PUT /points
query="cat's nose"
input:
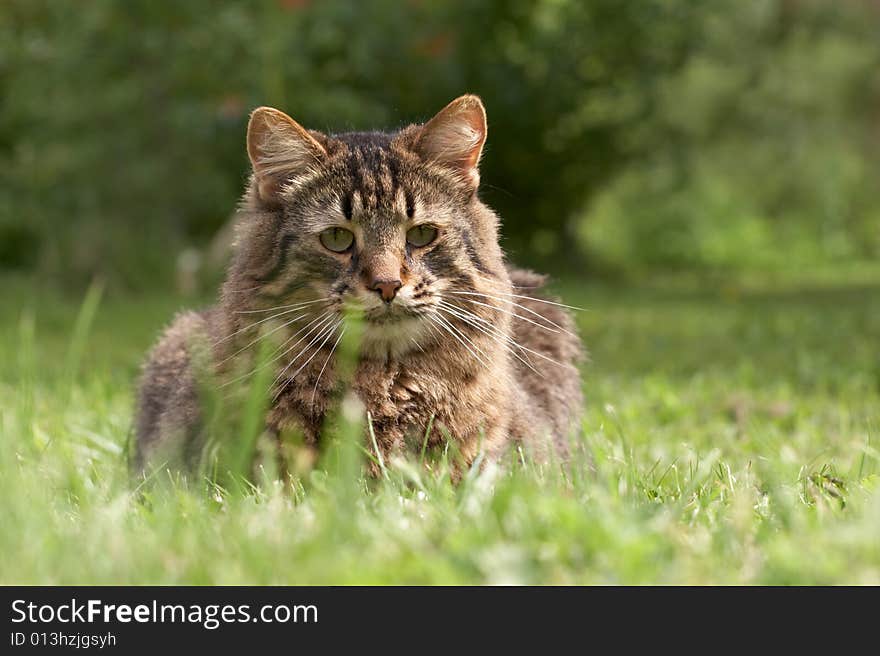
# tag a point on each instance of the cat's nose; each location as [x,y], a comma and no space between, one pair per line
[387,289]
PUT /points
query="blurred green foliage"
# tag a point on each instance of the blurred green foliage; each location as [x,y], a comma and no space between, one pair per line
[645,134]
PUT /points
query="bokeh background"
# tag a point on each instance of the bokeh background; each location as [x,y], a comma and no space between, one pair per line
[625,138]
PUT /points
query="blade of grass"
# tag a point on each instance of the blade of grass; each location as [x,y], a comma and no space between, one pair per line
[82,325]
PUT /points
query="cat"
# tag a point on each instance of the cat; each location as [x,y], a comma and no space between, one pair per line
[453,336]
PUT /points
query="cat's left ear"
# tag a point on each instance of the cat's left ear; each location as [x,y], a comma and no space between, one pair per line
[455,136]
[278,148]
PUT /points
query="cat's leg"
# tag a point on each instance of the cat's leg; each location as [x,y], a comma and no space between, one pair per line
[168,413]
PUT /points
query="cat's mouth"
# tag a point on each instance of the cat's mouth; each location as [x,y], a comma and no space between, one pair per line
[393,331]
[390,314]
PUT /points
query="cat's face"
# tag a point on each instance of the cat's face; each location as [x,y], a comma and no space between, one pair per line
[388,223]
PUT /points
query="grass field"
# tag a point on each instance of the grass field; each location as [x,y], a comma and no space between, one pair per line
[733,432]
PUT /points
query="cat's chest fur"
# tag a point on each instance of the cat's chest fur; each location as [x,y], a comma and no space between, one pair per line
[401,396]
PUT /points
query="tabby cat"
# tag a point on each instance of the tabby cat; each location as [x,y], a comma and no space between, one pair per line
[452,335]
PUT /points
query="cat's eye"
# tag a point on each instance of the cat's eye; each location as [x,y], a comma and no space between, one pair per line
[337,240]
[421,235]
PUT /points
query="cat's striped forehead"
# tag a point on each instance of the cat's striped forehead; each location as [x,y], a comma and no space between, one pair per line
[372,177]
[373,173]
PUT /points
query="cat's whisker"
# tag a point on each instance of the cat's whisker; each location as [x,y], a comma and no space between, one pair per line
[500,338]
[522,307]
[532,298]
[321,328]
[555,329]
[452,331]
[484,326]
[496,281]
[324,315]
[324,366]
[256,323]
[262,335]
[328,333]
[467,339]
[525,348]
[434,332]
[295,306]
[273,357]
[310,338]
[281,381]
[416,344]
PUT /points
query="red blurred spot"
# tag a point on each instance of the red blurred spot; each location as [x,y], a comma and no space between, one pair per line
[231,107]
[437,45]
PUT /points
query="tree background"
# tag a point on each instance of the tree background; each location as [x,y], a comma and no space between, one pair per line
[624,137]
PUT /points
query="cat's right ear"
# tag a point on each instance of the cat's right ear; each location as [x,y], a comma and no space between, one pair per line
[455,137]
[279,149]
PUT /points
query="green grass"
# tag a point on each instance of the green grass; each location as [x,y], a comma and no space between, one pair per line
[732,432]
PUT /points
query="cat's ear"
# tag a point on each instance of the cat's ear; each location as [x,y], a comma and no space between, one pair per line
[455,137]
[279,148]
